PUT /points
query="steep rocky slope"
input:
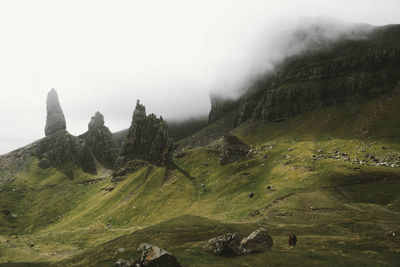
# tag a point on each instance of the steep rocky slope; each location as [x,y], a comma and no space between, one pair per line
[348,70]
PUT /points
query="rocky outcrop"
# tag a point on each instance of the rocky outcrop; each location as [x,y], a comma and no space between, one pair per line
[101,142]
[227,244]
[220,106]
[232,149]
[257,241]
[63,151]
[147,140]
[59,148]
[153,256]
[55,121]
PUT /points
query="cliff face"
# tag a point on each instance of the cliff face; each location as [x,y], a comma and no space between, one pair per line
[346,71]
[100,141]
[219,107]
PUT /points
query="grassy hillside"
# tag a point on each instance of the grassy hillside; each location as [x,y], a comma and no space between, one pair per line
[343,211]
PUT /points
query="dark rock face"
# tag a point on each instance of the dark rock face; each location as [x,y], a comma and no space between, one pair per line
[147,140]
[55,121]
[153,256]
[345,71]
[101,142]
[219,107]
[63,150]
[257,241]
[60,149]
[227,244]
[232,149]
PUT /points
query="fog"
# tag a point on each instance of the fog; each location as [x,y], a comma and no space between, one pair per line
[103,55]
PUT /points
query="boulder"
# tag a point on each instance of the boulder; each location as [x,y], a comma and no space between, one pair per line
[227,244]
[153,256]
[55,121]
[257,241]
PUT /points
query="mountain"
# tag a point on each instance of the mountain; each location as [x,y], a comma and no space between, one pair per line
[312,148]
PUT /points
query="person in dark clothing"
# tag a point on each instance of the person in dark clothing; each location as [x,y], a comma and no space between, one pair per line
[290,240]
[294,239]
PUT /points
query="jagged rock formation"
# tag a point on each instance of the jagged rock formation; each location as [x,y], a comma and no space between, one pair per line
[346,71]
[59,148]
[178,129]
[101,142]
[55,121]
[232,149]
[147,140]
[63,151]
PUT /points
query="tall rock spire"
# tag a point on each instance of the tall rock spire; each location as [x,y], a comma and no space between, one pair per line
[55,117]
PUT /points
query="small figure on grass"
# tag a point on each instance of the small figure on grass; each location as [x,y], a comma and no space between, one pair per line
[292,240]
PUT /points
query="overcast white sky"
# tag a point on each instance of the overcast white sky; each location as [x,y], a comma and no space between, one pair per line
[103,55]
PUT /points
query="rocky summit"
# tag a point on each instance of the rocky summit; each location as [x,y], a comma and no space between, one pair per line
[100,141]
[55,121]
[148,140]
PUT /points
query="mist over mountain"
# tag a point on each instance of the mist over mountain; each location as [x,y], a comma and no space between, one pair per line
[178,52]
[200,133]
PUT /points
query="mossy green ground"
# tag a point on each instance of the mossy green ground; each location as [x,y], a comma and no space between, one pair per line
[339,210]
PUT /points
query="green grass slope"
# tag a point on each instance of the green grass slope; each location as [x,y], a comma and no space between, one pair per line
[343,211]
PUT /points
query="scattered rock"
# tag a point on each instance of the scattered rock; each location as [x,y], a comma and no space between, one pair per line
[251,194]
[156,257]
[122,263]
[257,241]
[227,244]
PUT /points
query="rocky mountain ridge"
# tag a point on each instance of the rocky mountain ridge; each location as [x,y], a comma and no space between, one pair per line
[147,141]
[348,70]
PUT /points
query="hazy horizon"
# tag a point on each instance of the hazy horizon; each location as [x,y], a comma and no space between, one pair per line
[102,56]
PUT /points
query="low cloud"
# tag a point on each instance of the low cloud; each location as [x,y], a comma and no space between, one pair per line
[102,56]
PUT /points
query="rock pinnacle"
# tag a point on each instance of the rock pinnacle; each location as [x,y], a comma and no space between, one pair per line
[55,121]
